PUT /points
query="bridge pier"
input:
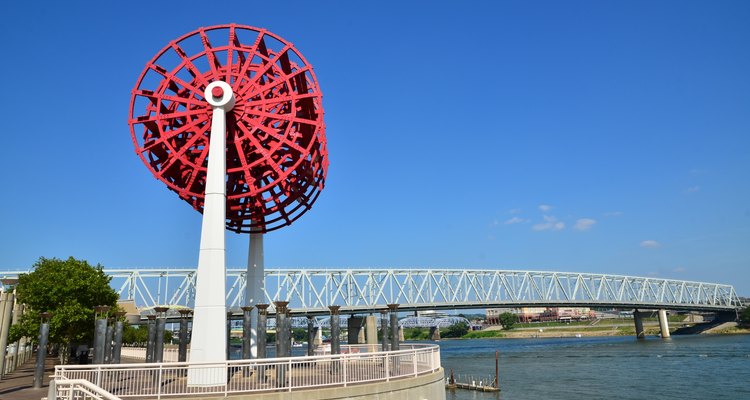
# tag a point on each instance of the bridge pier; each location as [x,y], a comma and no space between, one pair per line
[638,319]
[371,330]
[434,333]
[664,323]
[354,329]
[318,336]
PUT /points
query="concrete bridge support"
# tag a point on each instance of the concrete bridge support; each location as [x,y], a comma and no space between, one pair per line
[318,336]
[664,324]
[354,329]
[434,333]
[638,319]
[401,334]
[311,332]
[371,330]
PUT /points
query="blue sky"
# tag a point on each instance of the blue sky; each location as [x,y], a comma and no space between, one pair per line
[598,136]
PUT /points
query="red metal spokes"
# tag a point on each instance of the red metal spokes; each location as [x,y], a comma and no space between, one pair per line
[276,146]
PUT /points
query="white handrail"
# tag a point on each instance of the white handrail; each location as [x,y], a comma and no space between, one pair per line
[359,365]
[73,388]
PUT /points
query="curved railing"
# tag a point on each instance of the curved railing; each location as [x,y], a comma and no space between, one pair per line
[359,364]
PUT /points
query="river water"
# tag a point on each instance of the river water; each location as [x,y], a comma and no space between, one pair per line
[683,367]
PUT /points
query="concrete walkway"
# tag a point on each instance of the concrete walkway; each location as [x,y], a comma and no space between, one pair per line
[18,384]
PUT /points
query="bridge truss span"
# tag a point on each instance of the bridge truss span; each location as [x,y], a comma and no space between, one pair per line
[311,291]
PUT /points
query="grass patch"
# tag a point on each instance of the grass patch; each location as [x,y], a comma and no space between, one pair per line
[483,334]
[416,334]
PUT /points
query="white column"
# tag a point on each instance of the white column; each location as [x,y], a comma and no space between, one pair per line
[254,287]
[209,340]
[664,324]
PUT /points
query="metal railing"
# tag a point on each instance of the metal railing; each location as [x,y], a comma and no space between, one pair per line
[81,389]
[312,290]
[358,364]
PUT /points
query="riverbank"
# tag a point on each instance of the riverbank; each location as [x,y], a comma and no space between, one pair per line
[618,328]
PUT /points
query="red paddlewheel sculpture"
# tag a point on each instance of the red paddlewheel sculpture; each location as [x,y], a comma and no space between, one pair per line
[276,146]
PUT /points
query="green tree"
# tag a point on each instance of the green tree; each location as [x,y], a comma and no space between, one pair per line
[455,331]
[69,289]
[134,335]
[507,320]
[745,316]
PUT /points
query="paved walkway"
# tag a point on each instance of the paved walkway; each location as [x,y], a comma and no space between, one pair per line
[18,384]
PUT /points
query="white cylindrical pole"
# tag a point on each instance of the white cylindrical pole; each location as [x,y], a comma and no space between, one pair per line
[208,342]
[255,286]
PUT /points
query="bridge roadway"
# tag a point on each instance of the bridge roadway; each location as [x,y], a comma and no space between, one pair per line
[311,290]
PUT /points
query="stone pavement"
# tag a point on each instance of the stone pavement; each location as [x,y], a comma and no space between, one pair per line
[18,384]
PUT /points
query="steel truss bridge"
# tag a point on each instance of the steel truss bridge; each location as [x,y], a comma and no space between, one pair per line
[311,291]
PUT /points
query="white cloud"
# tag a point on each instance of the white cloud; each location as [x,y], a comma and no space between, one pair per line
[679,270]
[549,224]
[692,189]
[650,244]
[514,220]
[545,207]
[584,224]
[515,211]
[613,214]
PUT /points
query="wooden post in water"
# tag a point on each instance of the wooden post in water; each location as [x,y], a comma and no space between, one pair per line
[497,375]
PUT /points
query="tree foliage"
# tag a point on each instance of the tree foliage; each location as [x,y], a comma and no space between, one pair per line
[138,335]
[456,330]
[134,335]
[69,289]
[745,316]
[507,320]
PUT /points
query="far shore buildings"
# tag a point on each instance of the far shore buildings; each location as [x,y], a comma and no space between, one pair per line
[541,314]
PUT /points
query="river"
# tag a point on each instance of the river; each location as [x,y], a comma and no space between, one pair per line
[683,367]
